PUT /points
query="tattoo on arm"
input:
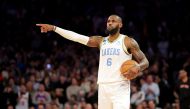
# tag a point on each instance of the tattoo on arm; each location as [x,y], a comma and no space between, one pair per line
[138,54]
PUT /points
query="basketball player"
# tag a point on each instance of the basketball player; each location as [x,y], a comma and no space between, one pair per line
[114,88]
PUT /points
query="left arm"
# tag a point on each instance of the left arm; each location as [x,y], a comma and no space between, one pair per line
[139,56]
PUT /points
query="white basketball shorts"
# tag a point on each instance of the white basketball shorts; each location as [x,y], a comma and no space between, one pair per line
[114,95]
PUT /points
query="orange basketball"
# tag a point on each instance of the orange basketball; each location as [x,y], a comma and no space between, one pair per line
[127,65]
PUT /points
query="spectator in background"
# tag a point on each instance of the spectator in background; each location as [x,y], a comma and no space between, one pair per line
[57,97]
[175,105]
[55,106]
[73,89]
[152,105]
[182,90]
[88,106]
[31,91]
[143,105]
[82,103]
[10,106]
[23,98]
[137,96]
[41,106]
[85,84]
[76,106]
[53,80]
[67,106]
[151,89]
[73,100]
[41,96]
[32,107]
[46,82]
[165,90]
[62,84]
[92,95]
[9,98]
[35,83]
[12,83]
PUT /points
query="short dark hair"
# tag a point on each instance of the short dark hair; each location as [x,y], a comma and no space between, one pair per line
[119,18]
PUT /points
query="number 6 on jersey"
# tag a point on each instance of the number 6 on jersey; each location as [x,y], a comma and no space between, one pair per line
[109,62]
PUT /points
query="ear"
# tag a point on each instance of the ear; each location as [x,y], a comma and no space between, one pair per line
[120,25]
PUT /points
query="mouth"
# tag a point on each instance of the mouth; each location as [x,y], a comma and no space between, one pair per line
[109,28]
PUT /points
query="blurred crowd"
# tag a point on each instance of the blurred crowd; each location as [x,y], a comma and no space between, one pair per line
[45,71]
[61,79]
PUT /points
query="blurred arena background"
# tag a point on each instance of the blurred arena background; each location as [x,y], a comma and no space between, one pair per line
[66,72]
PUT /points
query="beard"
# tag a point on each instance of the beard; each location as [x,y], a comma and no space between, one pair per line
[112,31]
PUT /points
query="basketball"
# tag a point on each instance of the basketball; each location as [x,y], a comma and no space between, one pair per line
[127,65]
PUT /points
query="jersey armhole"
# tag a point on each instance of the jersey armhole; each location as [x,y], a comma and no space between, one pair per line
[123,45]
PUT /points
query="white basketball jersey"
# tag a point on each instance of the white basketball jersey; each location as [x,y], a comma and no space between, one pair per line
[23,102]
[112,56]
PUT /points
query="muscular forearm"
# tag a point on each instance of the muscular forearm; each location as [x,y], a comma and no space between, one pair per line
[70,35]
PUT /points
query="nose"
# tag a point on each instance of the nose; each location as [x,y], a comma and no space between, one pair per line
[109,23]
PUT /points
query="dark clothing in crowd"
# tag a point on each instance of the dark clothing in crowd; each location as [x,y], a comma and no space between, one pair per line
[92,97]
[63,99]
[8,98]
[165,90]
[183,90]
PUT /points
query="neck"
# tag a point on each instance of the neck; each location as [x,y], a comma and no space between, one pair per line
[113,37]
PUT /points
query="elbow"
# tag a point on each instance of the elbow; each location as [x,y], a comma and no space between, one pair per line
[146,64]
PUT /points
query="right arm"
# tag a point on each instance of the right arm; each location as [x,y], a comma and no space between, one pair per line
[93,41]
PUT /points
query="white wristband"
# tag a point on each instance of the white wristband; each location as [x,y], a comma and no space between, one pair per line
[70,35]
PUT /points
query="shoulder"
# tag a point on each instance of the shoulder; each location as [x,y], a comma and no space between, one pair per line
[131,43]
[145,85]
[154,84]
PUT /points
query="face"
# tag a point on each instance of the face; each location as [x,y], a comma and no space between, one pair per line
[54,106]
[58,92]
[62,79]
[149,79]
[22,89]
[74,81]
[41,107]
[182,74]
[31,108]
[75,106]
[88,106]
[41,87]
[134,88]
[10,107]
[11,81]
[114,24]
[151,105]
[29,85]
[67,106]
